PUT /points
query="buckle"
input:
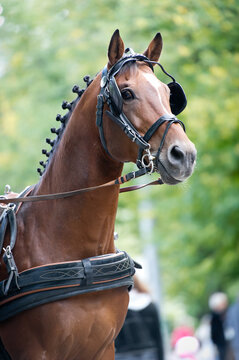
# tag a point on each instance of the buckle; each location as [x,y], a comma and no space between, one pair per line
[11,269]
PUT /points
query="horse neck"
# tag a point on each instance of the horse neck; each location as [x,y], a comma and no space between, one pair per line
[79,162]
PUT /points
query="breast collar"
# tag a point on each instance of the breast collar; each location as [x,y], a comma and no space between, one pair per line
[111,95]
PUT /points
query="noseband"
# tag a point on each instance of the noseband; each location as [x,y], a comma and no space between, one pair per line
[111,95]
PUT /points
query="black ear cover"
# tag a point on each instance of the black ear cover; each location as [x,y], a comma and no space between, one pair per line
[178,100]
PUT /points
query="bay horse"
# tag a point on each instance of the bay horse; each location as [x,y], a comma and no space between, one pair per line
[136,123]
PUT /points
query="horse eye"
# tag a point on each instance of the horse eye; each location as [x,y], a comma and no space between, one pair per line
[127,94]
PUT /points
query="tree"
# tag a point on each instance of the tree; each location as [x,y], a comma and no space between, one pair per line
[46,49]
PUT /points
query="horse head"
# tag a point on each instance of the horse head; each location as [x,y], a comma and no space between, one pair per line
[145,109]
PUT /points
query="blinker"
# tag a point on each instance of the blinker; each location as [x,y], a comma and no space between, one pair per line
[178,100]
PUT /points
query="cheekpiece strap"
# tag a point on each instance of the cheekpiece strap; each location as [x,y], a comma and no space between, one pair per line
[105,96]
[128,129]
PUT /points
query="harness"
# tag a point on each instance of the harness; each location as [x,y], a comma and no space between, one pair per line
[47,283]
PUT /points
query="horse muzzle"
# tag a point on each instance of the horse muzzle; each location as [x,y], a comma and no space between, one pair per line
[176,163]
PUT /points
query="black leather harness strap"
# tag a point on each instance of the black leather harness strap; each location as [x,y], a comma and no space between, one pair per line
[8,218]
[58,281]
[125,125]
[3,227]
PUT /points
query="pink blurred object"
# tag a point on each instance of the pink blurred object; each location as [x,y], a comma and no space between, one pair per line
[180,332]
[186,347]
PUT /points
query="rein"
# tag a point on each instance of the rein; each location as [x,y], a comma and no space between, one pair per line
[120,180]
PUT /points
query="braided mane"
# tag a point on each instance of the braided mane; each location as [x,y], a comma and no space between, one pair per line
[63,120]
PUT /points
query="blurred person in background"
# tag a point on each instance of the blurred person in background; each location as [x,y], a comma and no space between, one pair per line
[140,337]
[203,334]
[232,328]
[218,304]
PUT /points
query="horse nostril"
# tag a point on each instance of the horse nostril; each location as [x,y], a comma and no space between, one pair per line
[193,157]
[176,155]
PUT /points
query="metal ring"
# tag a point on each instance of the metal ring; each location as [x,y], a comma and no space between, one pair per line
[150,160]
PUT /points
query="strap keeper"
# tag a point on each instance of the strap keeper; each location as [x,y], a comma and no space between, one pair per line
[88,270]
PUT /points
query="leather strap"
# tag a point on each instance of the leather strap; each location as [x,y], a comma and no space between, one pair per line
[3,228]
[137,187]
[8,217]
[57,281]
[62,195]
[129,129]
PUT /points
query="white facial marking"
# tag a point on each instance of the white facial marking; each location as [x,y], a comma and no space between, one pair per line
[156,84]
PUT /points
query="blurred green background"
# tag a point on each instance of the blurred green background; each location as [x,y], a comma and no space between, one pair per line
[48,46]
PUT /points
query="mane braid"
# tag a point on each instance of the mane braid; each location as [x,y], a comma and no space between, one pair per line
[64,120]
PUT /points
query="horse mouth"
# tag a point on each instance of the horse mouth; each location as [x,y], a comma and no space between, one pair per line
[166,177]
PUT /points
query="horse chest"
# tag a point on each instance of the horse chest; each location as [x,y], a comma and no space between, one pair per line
[86,327]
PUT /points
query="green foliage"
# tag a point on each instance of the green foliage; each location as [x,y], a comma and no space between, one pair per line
[47,46]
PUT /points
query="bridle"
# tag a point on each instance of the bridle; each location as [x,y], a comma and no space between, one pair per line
[111,95]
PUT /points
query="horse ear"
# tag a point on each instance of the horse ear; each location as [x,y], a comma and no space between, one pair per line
[155,47]
[116,49]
